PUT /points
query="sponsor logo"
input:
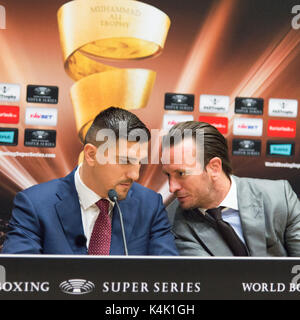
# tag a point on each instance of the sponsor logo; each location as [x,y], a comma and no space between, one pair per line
[2,17]
[9,114]
[249,105]
[42,94]
[247,127]
[214,103]
[179,102]
[77,286]
[8,136]
[41,116]
[171,119]
[283,108]
[9,92]
[221,123]
[280,148]
[247,147]
[282,128]
[40,138]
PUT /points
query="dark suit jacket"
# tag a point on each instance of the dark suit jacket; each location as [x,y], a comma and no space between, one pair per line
[46,219]
[270,218]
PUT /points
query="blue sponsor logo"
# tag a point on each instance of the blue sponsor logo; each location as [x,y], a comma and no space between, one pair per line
[7,136]
[281,149]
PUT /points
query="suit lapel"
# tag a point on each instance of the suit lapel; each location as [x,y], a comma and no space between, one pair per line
[252,217]
[69,212]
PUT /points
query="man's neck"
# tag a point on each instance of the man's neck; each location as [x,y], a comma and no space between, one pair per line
[222,188]
[87,178]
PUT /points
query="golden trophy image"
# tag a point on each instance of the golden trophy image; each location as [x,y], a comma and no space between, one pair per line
[92,32]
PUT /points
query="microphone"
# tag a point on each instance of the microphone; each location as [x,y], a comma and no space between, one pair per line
[113,196]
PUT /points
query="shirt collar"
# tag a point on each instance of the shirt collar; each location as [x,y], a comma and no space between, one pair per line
[87,197]
[231,200]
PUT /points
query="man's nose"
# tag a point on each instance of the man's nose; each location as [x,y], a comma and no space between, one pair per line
[133,172]
[173,185]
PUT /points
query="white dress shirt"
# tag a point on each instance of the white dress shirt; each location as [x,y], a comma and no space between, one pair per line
[89,209]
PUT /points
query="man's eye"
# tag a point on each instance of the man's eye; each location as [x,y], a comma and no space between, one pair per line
[129,161]
[181,173]
[123,161]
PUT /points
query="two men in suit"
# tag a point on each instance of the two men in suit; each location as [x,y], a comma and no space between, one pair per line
[74,215]
[215,211]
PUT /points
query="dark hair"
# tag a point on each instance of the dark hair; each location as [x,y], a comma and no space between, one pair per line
[215,144]
[110,118]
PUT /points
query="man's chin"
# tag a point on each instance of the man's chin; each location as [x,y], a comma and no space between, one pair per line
[122,191]
[184,205]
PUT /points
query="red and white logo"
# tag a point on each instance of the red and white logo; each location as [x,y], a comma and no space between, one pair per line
[282,128]
[9,114]
[221,123]
[248,127]
[41,116]
[171,119]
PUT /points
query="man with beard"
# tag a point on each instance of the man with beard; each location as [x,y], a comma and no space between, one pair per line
[74,215]
[218,213]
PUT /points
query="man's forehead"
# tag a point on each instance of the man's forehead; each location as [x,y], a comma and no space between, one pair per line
[183,155]
[185,147]
[131,148]
[122,150]
[181,168]
[172,167]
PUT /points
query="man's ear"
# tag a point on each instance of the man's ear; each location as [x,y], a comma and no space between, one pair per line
[214,167]
[90,154]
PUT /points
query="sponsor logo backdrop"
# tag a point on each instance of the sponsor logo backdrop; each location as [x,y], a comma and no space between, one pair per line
[229,62]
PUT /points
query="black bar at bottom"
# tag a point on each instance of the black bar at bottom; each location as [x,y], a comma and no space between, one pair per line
[151,279]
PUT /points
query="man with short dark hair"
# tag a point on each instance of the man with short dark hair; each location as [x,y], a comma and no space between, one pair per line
[74,215]
[219,214]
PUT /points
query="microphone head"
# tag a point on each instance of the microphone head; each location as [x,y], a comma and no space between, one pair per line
[113,195]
